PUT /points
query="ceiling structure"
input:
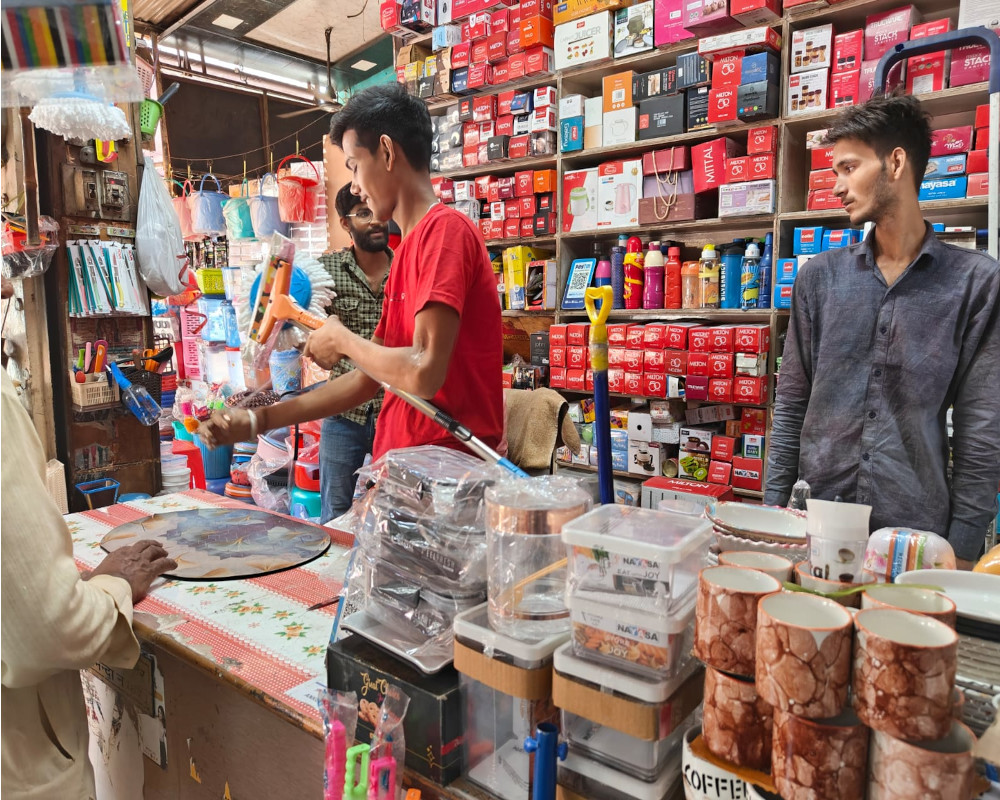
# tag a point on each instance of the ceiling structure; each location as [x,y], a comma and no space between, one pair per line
[280,38]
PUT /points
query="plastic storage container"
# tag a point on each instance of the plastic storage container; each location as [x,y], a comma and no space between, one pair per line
[637,552]
[506,693]
[588,778]
[526,564]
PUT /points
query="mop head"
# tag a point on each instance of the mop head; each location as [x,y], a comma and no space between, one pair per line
[81,117]
[322,296]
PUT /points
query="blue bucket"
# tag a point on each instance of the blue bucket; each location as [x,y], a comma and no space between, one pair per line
[215,462]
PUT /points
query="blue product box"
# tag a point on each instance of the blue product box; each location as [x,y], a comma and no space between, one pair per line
[807,241]
[523,103]
[944,188]
[571,134]
[460,80]
[619,440]
[845,237]
[761,67]
[945,166]
[619,460]
[786,270]
[783,295]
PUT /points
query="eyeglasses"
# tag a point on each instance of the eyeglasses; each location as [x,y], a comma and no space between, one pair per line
[364,215]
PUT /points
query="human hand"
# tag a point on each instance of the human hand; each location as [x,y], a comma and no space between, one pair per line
[324,345]
[140,564]
[226,426]
[961,563]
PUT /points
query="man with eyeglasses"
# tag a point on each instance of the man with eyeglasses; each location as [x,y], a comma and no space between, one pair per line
[359,273]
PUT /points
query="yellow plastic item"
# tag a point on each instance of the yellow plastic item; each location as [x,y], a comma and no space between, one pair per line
[989,563]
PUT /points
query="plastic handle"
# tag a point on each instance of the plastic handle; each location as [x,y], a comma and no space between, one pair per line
[300,158]
[264,177]
[201,186]
[943,41]
[605,296]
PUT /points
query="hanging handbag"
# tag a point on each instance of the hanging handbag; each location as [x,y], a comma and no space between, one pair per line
[298,195]
[264,212]
[206,209]
[236,211]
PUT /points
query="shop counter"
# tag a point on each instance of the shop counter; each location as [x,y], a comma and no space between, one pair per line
[223,702]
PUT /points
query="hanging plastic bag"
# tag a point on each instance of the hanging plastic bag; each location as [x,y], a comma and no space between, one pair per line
[298,195]
[264,211]
[158,242]
[236,212]
[389,744]
[21,261]
[206,208]
[340,723]
[184,213]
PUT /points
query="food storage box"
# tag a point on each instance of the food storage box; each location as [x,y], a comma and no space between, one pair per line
[632,633]
[506,689]
[623,752]
[588,778]
[638,552]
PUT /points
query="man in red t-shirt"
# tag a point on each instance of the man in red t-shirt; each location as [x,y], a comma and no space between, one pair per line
[440,333]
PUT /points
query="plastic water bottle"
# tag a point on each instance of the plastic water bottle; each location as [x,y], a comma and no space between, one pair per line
[672,279]
[618,276]
[729,275]
[602,277]
[750,277]
[690,286]
[708,277]
[634,264]
[137,398]
[652,286]
[764,294]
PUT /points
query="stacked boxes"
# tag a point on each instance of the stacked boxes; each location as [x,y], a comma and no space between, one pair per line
[806,243]
[945,178]
[515,206]
[977,163]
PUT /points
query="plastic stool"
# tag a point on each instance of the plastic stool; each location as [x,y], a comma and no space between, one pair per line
[193,454]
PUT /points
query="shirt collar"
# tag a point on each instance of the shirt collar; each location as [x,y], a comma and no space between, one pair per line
[931,247]
[355,268]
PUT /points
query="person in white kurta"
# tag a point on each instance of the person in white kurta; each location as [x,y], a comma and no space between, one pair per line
[54,622]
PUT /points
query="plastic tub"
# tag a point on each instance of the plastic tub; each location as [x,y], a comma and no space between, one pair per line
[217,485]
[637,552]
[215,462]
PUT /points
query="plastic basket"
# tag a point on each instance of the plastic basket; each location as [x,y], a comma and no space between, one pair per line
[55,482]
[146,74]
[192,322]
[210,281]
[99,493]
[191,358]
[149,116]
[151,380]
[95,393]
[168,381]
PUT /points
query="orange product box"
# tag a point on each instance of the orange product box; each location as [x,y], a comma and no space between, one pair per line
[537,30]
[545,181]
[618,91]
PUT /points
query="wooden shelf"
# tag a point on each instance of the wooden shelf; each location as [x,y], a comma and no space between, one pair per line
[512,166]
[592,75]
[851,13]
[509,312]
[617,472]
[716,224]
[931,208]
[707,314]
[529,241]
[646,397]
[599,154]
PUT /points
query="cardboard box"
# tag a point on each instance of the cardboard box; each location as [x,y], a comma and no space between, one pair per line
[969,64]
[709,159]
[723,448]
[821,179]
[757,101]
[571,106]
[670,159]
[434,725]
[728,71]
[661,116]
[698,363]
[885,29]
[544,119]
[635,337]
[706,17]
[748,473]
[978,185]
[654,384]
[571,135]
[758,67]
[557,335]
[668,22]
[752,197]
[677,334]
[654,336]
[753,420]
[692,71]
[949,141]
[654,361]
[720,365]
[699,340]
[845,88]
[752,338]
[658,83]
[578,334]
[722,105]
[947,166]
[580,200]
[762,140]
[697,104]
[536,30]
[545,181]
[619,127]
[693,466]
[719,472]
[752,445]
[847,51]
[563,12]
[743,40]
[867,83]
[634,29]
[821,158]
[823,200]
[747,389]
[538,60]
[720,390]
[633,384]
[925,74]
[583,41]
[593,120]
[675,362]
[977,161]
[943,188]
[656,490]
[812,48]
[807,240]
[617,91]
[807,92]
[557,378]
[755,12]
[737,169]
[557,356]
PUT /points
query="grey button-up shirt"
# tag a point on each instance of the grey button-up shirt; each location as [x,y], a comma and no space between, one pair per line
[868,374]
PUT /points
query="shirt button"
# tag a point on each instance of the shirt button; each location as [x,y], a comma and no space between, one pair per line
[878,372]
[865,457]
[883,329]
[872,415]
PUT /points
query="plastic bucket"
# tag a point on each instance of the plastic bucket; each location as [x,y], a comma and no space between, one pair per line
[149,116]
[215,462]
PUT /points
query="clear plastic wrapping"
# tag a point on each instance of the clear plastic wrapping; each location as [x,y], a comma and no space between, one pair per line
[389,742]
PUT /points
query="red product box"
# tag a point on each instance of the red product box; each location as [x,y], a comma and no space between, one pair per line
[696,388]
[727,71]
[483,183]
[723,448]
[982,141]
[493,193]
[761,166]
[480,52]
[722,105]
[753,420]
[654,361]
[470,134]
[845,88]
[654,336]
[484,226]
[514,42]
[822,200]
[499,21]
[752,338]
[616,381]
[755,12]
[480,25]
[978,161]
[578,334]
[978,185]
[721,365]
[496,230]
[617,356]
[504,100]
[524,183]
[677,334]
[709,160]
[719,472]
[577,357]
[762,140]
[527,206]
[821,179]
[690,487]
[722,340]
[484,108]
[557,335]
[925,74]
[969,64]
[738,169]
[517,65]
[576,379]
[632,384]
[537,60]
[461,55]
[589,384]
[821,158]
[531,8]
[518,147]
[747,389]
[513,13]
[617,333]
[948,141]
[528,227]
[847,51]
[634,360]
[654,384]
[699,340]
[496,47]
[557,377]
[479,75]
[720,390]
[501,73]
[557,355]
[884,30]
[635,337]
[511,227]
[697,364]
[982,116]
[505,126]
[675,362]
[508,380]
[748,473]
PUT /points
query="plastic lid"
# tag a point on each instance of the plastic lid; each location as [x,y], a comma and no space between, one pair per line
[654,245]
[663,536]
[708,251]
[674,251]
[540,506]
[647,612]
[615,681]
[752,251]
[473,625]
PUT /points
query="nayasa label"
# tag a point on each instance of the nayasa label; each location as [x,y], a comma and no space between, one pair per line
[601,569]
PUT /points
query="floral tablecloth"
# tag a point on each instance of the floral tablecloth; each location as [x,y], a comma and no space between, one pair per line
[256,630]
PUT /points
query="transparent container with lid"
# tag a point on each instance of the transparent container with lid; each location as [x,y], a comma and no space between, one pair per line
[637,552]
[506,687]
[525,557]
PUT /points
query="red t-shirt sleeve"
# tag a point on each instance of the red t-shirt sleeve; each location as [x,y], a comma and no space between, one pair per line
[451,254]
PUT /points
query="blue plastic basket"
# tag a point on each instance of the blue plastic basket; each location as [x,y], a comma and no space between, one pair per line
[217,485]
[215,462]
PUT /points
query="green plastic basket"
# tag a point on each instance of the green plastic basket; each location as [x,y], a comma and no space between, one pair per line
[149,116]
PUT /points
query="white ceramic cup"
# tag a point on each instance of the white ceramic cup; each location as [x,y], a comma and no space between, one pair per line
[776,566]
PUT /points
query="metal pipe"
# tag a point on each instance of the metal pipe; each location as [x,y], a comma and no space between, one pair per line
[30,178]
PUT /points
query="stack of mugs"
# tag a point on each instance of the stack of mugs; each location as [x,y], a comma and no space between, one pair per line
[780,673]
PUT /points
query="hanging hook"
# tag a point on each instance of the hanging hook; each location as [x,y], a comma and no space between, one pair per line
[210,167]
[296,144]
[270,157]
[244,169]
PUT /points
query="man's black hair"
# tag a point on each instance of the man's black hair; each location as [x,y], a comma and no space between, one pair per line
[346,200]
[387,110]
[884,123]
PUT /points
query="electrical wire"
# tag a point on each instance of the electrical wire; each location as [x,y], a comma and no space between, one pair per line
[256,149]
[181,174]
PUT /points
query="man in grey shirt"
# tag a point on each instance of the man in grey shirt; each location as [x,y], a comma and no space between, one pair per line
[884,337]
